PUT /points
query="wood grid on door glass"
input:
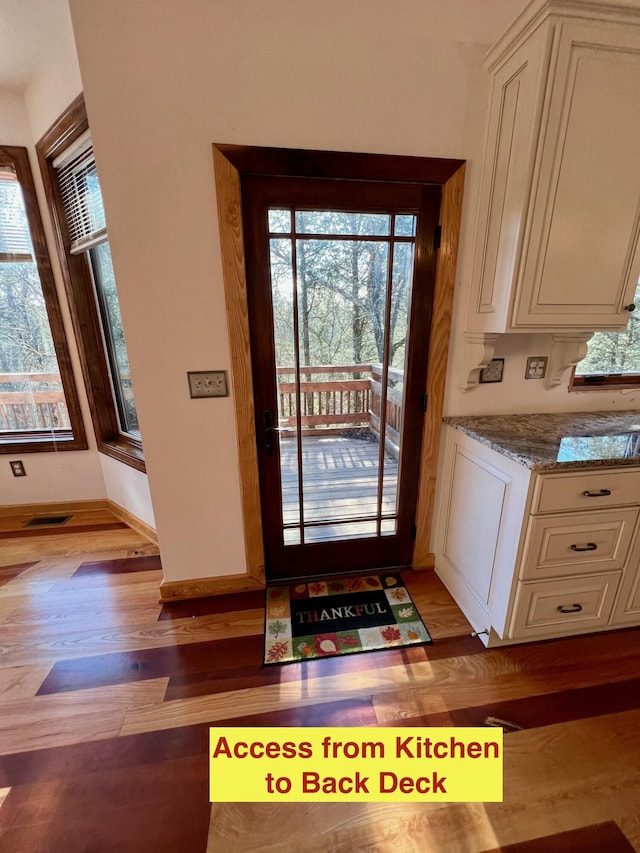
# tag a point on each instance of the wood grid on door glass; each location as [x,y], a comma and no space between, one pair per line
[341,283]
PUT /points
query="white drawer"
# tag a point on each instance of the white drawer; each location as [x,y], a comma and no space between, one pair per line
[589,490]
[561,545]
[570,606]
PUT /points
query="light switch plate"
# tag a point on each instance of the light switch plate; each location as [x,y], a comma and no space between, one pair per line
[536,367]
[208,383]
[493,371]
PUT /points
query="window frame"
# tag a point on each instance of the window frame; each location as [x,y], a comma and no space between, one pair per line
[38,441]
[81,293]
[604,381]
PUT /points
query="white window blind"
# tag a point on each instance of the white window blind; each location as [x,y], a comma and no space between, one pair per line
[81,197]
[15,238]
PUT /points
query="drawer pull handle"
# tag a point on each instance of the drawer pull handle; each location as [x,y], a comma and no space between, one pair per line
[575,608]
[603,493]
[590,546]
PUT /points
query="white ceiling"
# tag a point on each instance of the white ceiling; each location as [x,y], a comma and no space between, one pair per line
[30,33]
[32,30]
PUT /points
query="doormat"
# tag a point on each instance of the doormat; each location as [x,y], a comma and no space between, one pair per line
[340,616]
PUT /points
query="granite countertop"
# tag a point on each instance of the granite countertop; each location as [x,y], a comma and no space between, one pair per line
[549,442]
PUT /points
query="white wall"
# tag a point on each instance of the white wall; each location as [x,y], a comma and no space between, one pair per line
[128,488]
[164,79]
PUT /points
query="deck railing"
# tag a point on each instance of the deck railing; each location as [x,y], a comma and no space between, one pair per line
[336,398]
[35,407]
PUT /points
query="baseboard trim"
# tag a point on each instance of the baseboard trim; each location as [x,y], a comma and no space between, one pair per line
[55,507]
[205,587]
[133,521]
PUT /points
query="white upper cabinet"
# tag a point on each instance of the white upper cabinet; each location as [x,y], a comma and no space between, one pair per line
[558,244]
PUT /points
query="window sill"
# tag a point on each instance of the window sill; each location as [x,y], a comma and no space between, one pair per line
[126,450]
[40,442]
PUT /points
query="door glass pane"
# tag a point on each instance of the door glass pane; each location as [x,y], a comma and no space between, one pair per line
[336,222]
[282,297]
[333,312]
[114,334]
[279,221]
[31,395]
[405,225]
[402,277]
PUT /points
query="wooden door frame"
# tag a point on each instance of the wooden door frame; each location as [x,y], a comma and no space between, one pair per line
[231,162]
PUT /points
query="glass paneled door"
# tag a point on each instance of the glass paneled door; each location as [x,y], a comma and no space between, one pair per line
[340,283]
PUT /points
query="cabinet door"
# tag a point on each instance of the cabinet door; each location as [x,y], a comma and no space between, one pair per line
[517,95]
[581,258]
[627,610]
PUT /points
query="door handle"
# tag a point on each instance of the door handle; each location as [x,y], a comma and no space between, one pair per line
[269,428]
[603,493]
[590,546]
[267,423]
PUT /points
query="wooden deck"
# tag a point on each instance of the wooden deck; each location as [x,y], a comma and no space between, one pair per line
[340,483]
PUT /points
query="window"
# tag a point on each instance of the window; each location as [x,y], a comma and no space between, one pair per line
[613,360]
[73,190]
[39,407]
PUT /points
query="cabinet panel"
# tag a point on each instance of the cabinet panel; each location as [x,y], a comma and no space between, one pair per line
[471,538]
[628,606]
[517,102]
[553,608]
[581,263]
[586,491]
[572,545]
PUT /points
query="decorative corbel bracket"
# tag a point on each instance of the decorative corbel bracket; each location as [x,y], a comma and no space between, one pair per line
[478,352]
[567,349]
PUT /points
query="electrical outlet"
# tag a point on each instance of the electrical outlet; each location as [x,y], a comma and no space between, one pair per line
[208,383]
[493,371]
[536,367]
[17,466]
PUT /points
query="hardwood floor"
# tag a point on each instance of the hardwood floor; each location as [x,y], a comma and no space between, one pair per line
[106,698]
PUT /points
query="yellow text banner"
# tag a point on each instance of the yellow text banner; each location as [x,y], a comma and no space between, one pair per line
[254,765]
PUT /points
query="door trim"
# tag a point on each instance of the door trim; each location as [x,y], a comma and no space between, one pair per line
[230,163]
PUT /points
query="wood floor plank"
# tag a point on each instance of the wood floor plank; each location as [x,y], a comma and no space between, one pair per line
[127,564]
[140,636]
[50,763]
[496,676]
[151,809]
[24,549]
[9,573]
[233,602]
[256,675]
[588,839]
[62,530]
[21,682]
[63,718]
[216,666]
[531,711]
